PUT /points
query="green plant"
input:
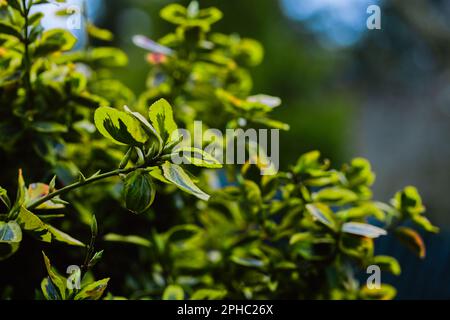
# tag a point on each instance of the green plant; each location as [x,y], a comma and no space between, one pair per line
[299,233]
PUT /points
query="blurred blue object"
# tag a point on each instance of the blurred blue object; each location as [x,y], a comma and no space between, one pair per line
[337,23]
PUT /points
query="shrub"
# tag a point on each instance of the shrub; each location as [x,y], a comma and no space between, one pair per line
[299,233]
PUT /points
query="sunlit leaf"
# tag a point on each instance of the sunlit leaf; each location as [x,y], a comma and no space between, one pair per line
[92,291]
[119,127]
[322,213]
[99,33]
[173,292]
[387,263]
[175,174]
[161,117]
[198,157]
[209,294]
[363,229]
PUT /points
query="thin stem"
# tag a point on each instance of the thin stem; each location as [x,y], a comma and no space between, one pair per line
[87,258]
[79,184]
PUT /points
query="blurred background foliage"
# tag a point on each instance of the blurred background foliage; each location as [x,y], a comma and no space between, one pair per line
[347,91]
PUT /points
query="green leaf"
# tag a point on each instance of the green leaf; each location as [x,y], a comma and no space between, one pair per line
[4,198]
[174,13]
[173,292]
[275,124]
[93,291]
[198,157]
[209,294]
[54,40]
[161,117]
[107,57]
[210,15]
[31,223]
[35,18]
[10,238]
[44,232]
[356,246]
[94,227]
[423,222]
[157,173]
[149,129]
[95,259]
[175,174]
[98,33]
[363,229]
[323,214]
[57,280]
[335,196]
[139,191]
[60,236]
[15,4]
[386,292]
[182,232]
[119,127]
[49,290]
[359,172]
[387,263]
[88,100]
[38,190]
[362,211]
[132,239]
[248,261]
[411,239]
[21,195]
[49,127]
[308,161]
[298,237]
[408,202]
[312,247]
[9,29]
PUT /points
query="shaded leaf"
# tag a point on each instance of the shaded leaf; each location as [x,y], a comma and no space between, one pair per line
[10,238]
[132,239]
[49,290]
[138,191]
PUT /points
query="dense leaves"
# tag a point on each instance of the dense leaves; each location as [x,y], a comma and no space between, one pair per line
[298,233]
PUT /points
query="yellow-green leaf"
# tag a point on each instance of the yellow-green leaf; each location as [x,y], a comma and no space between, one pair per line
[119,127]
[161,117]
[175,174]
[173,292]
[93,291]
[198,157]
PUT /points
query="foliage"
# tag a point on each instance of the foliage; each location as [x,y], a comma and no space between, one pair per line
[300,233]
